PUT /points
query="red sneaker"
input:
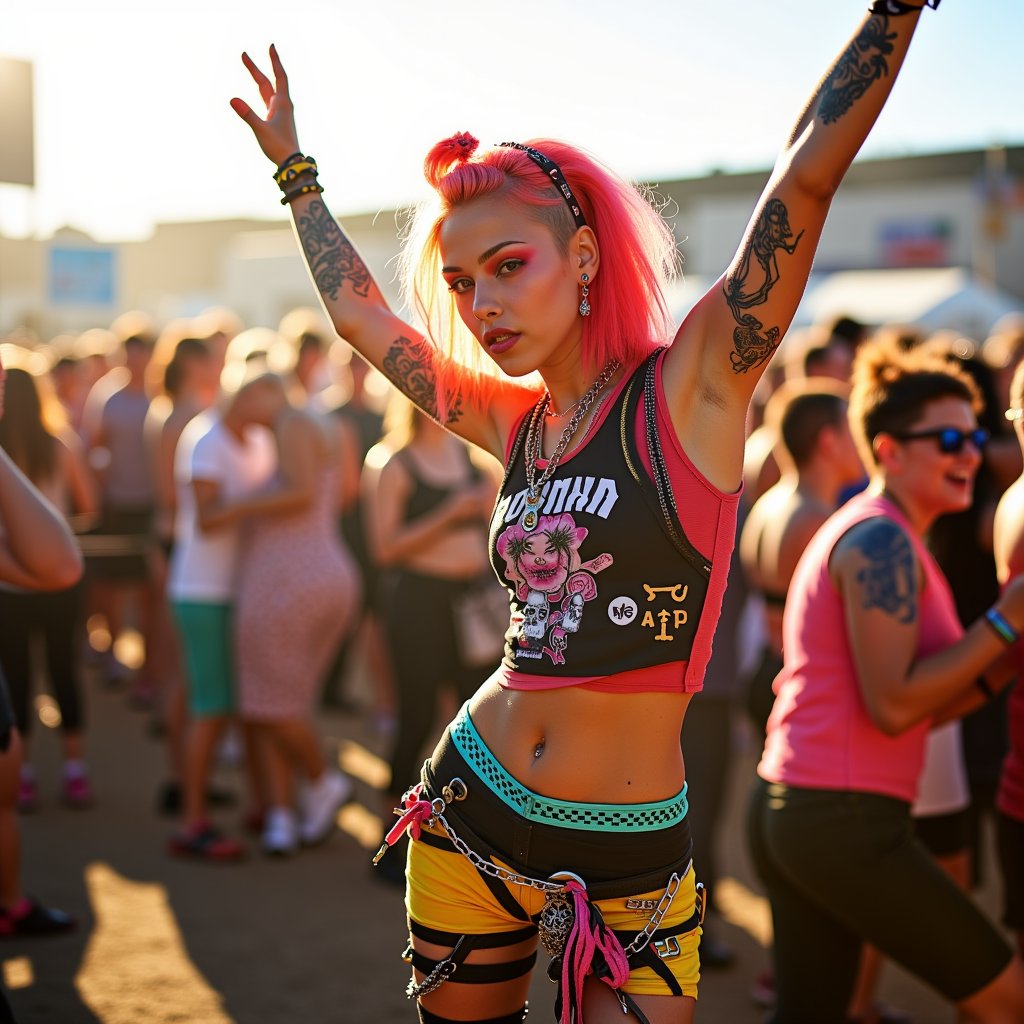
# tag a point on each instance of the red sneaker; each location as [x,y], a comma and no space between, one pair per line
[204,842]
[28,795]
[77,792]
[31,918]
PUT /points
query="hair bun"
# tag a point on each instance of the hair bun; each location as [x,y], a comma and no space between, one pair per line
[457,149]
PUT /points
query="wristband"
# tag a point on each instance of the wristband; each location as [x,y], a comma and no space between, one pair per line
[294,193]
[898,7]
[288,161]
[998,622]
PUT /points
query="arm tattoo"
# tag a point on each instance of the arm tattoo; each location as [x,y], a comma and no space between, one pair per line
[888,581]
[409,365]
[749,285]
[332,258]
[863,63]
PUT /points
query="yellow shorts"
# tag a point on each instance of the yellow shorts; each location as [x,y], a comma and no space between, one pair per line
[446,892]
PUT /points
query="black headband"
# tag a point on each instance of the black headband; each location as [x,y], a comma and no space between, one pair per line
[554,172]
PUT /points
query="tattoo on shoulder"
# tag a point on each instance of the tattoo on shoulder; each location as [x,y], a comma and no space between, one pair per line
[409,365]
[863,63]
[748,286]
[332,258]
[889,580]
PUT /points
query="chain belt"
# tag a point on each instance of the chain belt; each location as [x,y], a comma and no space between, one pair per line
[457,790]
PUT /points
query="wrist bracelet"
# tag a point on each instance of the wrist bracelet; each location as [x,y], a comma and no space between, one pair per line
[898,7]
[982,684]
[291,171]
[1003,629]
[294,193]
[287,162]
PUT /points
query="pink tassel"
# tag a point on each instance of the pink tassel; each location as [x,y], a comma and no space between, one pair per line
[588,936]
[416,812]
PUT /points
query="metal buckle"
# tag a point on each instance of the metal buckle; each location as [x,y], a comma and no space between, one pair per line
[455,790]
[668,948]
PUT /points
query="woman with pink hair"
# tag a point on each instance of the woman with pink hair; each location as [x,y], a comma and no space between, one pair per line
[553,809]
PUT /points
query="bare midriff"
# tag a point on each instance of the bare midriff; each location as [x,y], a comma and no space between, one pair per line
[460,554]
[573,744]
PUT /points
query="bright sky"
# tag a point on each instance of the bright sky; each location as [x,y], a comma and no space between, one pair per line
[133,124]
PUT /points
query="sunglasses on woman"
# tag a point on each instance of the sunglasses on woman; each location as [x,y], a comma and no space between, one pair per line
[951,440]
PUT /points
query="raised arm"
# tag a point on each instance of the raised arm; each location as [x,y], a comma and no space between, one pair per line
[350,296]
[725,343]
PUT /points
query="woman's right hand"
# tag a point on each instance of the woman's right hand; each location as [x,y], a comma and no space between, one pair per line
[276,134]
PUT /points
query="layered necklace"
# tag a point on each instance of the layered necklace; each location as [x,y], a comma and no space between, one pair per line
[534,439]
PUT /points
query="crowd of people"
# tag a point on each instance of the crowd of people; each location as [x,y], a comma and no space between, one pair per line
[250,583]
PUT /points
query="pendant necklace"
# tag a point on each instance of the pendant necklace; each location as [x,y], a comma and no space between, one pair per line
[534,439]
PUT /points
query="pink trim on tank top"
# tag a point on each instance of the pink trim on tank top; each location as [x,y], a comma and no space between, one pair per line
[705,532]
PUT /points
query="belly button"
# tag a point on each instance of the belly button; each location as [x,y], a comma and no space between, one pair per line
[539,749]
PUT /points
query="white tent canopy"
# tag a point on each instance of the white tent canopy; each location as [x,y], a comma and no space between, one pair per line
[948,298]
[942,299]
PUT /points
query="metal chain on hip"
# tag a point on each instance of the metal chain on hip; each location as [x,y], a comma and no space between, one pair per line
[488,867]
[534,439]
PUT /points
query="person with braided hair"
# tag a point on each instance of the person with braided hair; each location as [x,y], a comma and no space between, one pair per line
[553,808]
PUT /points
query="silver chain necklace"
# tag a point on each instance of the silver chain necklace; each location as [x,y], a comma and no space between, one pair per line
[534,438]
[552,415]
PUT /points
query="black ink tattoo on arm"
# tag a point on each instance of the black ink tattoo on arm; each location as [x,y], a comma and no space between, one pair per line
[409,365]
[332,258]
[863,63]
[748,286]
[889,580]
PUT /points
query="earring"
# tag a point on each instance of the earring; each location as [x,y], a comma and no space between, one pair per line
[584,304]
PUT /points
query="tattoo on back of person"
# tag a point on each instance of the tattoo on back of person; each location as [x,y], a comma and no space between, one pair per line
[332,258]
[409,365]
[862,63]
[748,286]
[888,581]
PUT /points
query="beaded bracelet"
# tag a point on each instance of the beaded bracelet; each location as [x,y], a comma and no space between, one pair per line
[307,165]
[302,190]
[1003,629]
[898,7]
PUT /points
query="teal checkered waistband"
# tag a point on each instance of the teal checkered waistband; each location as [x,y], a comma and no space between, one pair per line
[595,817]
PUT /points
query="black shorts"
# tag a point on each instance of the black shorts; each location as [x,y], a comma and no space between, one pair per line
[1010,837]
[945,835]
[118,548]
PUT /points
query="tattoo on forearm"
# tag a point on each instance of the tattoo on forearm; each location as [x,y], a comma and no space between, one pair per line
[748,286]
[332,258]
[862,64]
[409,365]
[888,581]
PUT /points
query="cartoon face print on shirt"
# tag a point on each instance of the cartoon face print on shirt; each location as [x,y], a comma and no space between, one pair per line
[552,582]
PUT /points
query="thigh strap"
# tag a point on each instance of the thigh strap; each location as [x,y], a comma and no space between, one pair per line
[426,1017]
[453,966]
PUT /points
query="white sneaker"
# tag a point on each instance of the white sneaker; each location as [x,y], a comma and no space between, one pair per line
[280,832]
[320,804]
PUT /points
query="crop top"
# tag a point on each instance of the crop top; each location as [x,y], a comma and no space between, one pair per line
[610,592]
[425,496]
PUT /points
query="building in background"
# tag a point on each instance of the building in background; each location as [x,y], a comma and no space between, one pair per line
[947,228]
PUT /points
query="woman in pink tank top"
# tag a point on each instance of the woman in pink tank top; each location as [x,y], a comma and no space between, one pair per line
[875,658]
